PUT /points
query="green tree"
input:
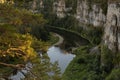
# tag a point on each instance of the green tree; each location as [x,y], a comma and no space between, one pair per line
[106,59]
[114,75]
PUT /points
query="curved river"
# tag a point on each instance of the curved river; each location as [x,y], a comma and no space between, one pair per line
[63,58]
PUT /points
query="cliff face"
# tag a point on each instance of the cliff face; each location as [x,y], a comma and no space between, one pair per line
[87,13]
[90,14]
[59,8]
[112,27]
[37,5]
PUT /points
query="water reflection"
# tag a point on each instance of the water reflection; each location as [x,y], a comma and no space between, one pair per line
[63,58]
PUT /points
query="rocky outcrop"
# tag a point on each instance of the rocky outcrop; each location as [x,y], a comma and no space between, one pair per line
[59,8]
[85,13]
[112,27]
[37,5]
[90,14]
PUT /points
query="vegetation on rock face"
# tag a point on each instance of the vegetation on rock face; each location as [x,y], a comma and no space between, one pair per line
[22,3]
[48,9]
[102,3]
[114,75]
[68,22]
[93,34]
[71,4]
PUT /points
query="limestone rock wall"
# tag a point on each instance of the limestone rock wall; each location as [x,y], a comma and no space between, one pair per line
[84,12]
[36,5]
[59,8]
[90,14]
[112,27]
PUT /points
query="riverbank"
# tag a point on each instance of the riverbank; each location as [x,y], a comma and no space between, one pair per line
[70,36]
[60,41]
[53,38]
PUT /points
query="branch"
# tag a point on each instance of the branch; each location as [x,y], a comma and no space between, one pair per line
[17,66]
[16,50]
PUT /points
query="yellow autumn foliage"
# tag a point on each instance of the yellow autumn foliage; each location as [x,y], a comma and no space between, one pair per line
[16,45]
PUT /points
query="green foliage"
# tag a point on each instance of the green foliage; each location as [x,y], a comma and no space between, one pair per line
[93,66]
[68,22]
[14,45]
[40,33]
[106,59]
[114,75]
[84,66]
[22,3]
[15,16]
[103,4]
[48,8]
[71,4]
[93,34]
[53,38]
[24,20]
[17,48]
[116,59]
[39,45]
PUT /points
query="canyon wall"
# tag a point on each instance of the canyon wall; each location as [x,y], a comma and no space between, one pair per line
[90,14]
[93,13]
[112,27]
[59,8]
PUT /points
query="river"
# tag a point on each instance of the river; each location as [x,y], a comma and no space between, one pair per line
[63,58]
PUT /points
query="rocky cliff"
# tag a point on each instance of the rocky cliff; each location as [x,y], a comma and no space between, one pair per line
[86,12]
[59,8]
[98,13]
[112,27]
[90,14]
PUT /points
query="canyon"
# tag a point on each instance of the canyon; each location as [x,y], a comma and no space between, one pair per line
[105,15]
